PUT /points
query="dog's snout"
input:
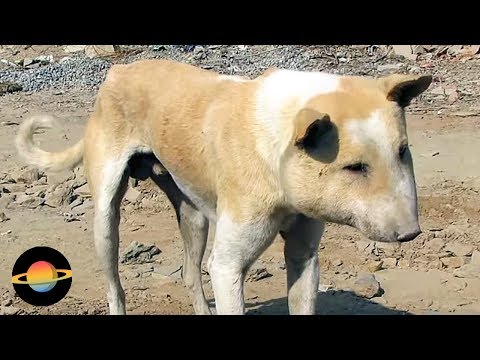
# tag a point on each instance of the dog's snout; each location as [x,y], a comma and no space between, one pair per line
[409,236]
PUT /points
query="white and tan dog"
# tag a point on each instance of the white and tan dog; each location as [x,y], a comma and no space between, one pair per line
[284,152]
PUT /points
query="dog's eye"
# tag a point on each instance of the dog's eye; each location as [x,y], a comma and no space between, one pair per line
[402,151]
[357,168]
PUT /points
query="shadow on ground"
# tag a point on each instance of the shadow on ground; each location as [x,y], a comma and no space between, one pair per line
[328,303]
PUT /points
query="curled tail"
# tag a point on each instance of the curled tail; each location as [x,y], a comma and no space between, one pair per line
[44,160]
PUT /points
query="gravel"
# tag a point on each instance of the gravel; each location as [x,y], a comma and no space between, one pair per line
[80,72]
[76,72]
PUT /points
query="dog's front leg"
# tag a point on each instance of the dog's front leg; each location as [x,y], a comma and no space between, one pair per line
[237,245]
[301,258]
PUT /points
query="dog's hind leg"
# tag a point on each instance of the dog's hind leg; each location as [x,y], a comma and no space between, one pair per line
[108,179]
[193,227]
[301,258]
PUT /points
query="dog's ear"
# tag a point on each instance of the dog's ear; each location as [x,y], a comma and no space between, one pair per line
[309,126]
[403,88]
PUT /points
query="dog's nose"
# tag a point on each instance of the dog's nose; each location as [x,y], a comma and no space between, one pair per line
[409,236]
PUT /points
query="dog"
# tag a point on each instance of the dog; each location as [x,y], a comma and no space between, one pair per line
[284,153]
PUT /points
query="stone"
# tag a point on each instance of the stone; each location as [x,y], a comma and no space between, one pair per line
[406,51]
[367,286]
[137,253]
[467,271]
[92,51]
[459,249]
[374,266]
[77,202]
[82,209]
[60,196]
[7,302]
[435,244]
[386,68]
[27,176]
[173,272]
[38,191]
[337,262]
[29,201]
[389,249]
[403,263]
[9,310]
[365,246]
[83,191]
[453,261]
[13,188]
[475,258]
[3,217]
[389,262]
[257,274]
[133,195]
[74,48]
[60,177]
[5,200]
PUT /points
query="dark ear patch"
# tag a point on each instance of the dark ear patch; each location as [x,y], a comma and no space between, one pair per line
[403,88]
[309,124]
[314,131]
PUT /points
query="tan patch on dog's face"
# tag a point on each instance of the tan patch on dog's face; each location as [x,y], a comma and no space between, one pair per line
[369,181]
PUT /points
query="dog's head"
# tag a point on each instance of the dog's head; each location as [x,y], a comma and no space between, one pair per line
[349,161]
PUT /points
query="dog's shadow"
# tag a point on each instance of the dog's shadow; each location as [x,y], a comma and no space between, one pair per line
[328,303]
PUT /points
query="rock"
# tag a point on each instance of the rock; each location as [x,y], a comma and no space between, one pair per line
[60,196]
[38,191]
[27,176]
[387,248]
[60,177]
[7,302]
[82,209]
[79,181]
[44,59]
[435,264]
[365,246]
[77,202]
[453,261]
[173,272]
[467,271]
[13,188]
[93,51]
[386,68]
[74,48]
[68,217]
[374,266]
[435,244]
[147,203]
[29,201]
[41,181]
[27,61]
[83,191]
[5,200]
[133,195]
[137,253]
[389,262]
[282,265]
[257,274]
[475,258]
[3,217]
[459,249]
[337,262]
[9,310]
[367,286]
[403,263]
[406,51]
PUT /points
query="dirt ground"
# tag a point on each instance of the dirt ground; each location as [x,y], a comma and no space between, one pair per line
[437,273]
